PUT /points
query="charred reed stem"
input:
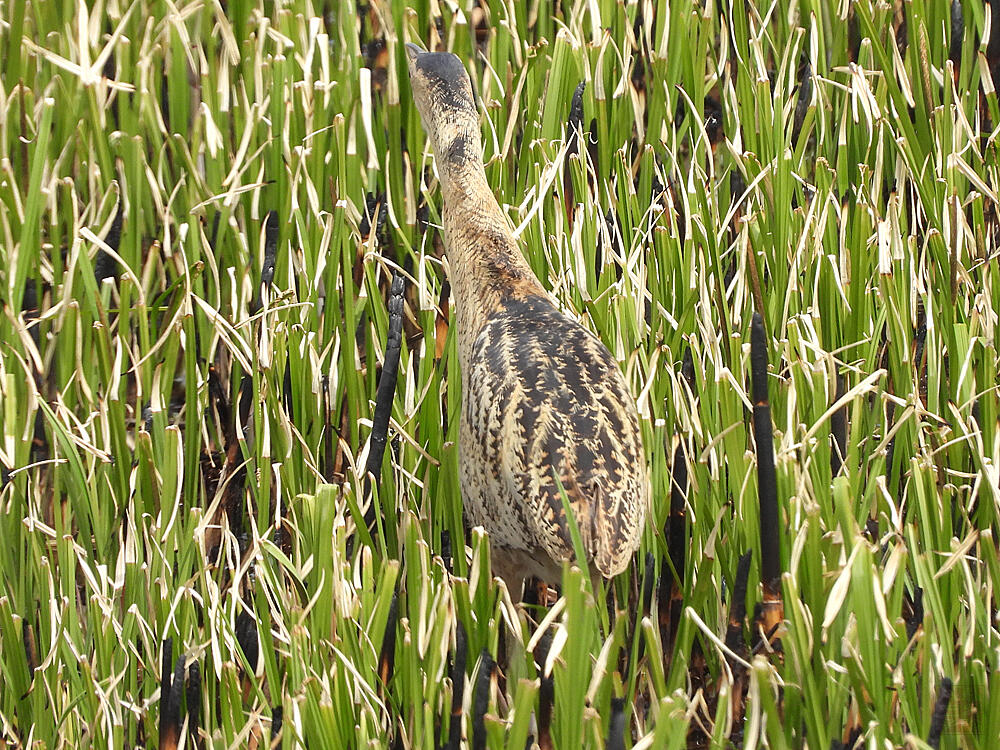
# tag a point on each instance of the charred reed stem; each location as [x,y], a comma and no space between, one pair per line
[993,46]
[676,535]
[271,234]
[616,725]
[546,693]
[671,585]
[957,33]
[738,608]
[767,482]
[105,266]
[385,392]
[481,700]
[387,380]
[247,638]
[915,618]
[838,430]
[940,713]
[387,655]
[193,703]
[574,130]
[30,646]
[166,694]
[171,689]
[277,721]
[457,689]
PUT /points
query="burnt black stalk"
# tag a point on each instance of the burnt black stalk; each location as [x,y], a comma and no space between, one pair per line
[105,266]
[767,481]
[993,46]
[170,702]
[838,430]
[328,454]
[387,655]
[916,615]
[802,101]
[738,609]
[385,393]
[277,719]
[957,33]
[546,692]
[166,678]
[574,129]
[248,639]
[616,726]
[939,713]
[193,702]
[272,231]
[481,700]
[671,585]
[457,690]
[676,534]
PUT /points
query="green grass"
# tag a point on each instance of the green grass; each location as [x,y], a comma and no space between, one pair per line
[867,239]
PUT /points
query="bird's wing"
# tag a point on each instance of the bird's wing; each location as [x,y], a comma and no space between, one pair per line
[551,403]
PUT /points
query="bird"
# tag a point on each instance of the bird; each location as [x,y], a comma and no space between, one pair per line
[545,408]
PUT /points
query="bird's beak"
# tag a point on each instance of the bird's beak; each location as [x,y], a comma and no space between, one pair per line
[413,51]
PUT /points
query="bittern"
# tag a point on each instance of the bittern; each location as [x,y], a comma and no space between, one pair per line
[542,398]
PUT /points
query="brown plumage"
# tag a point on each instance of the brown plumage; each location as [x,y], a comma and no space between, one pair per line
[541,396]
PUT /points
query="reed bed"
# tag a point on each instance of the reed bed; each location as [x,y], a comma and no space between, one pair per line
[230,513]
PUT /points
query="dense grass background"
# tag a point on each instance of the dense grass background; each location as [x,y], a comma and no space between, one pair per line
[187,386]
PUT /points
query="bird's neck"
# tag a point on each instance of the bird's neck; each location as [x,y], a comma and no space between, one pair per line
[486,267]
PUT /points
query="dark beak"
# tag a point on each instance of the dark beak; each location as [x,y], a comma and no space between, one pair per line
[413,51]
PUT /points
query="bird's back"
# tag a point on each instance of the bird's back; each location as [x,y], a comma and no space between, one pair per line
[544,399]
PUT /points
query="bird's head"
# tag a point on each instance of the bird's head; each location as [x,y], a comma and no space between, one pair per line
[442,92]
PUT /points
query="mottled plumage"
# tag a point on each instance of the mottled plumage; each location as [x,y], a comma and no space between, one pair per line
[541,396]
